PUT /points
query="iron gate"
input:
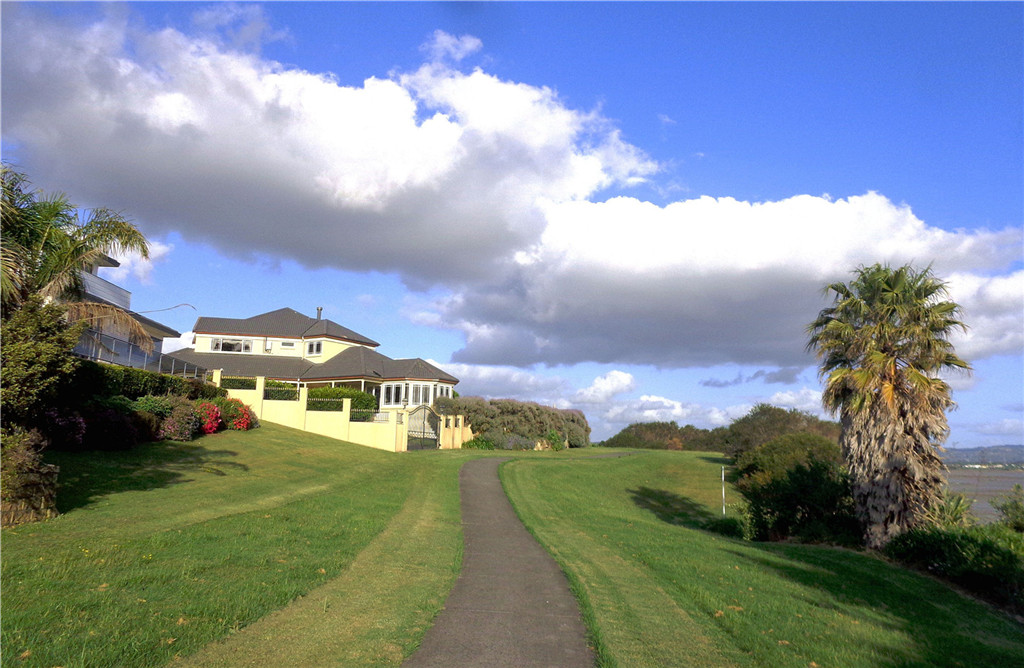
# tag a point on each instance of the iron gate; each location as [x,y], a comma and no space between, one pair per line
[424,428]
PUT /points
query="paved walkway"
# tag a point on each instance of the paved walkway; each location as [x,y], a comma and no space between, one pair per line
[511,605]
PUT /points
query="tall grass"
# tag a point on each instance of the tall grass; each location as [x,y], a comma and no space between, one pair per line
[658,592]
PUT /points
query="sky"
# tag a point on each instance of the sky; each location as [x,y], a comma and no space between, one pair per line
[626,208]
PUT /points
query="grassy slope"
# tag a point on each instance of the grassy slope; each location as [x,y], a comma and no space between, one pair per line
[657,592]
[168,547]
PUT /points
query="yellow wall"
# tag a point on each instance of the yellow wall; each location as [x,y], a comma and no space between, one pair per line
[391,435]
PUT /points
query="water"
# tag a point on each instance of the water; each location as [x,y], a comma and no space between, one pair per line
[983,485]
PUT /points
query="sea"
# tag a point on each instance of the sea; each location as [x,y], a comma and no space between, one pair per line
[983,485]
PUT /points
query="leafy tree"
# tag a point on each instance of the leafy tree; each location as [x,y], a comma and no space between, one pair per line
[37,360]
[765,422]
[45,245]
[882,344]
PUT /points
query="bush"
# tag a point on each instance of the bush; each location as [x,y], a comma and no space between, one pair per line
[159,406]
[147,425]
[198,389]
[119,403]
[108,429]
[478,443]
[93,379]
[209,417]
[183,423]
[1011,509]
[20,458]
[988,560]
[37,360]
[331,399]
[781,454]
[235,414]
[64,431]
[952,510]
[503,419]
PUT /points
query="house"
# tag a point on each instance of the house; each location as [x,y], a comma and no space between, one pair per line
[285,345]
[107,343]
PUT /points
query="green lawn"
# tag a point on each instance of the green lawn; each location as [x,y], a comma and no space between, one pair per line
[657,592]
[168,547]
[302,550]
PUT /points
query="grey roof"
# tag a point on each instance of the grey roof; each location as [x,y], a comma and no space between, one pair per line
[284,322]
[355,362]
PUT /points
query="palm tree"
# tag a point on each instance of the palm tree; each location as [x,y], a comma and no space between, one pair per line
[45,245]
[882,344]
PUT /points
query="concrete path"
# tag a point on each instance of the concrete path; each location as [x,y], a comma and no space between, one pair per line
[511,605]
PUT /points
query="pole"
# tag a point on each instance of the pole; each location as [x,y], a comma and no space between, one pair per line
[723,491]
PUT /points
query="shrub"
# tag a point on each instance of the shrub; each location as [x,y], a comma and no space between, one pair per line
[235,414]
[1011,508]
[209,417]
[554,440]
[525,420]
[64,431]
[147,425]
[478,443]
[37,360]
[198,389]
[108,429]
[952,510]
[811,502]
[20,458]
[988,560]
[105,380]
[159,406]
[183,423]
[331,399]
[119,403]
[781,454]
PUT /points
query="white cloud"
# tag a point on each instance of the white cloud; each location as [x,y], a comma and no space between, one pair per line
[804,399]
[171,344]
[501,179]
[134,265]
[1006,427]
[605,387]
[442,45]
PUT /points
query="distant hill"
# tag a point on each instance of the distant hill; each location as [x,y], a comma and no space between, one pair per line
[995,454]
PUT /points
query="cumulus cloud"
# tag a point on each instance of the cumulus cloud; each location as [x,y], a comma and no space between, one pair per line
[504,180]
[134,265]
[605,387]
[442,45]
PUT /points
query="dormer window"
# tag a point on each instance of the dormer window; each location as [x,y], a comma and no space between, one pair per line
[314,347]
[232,345]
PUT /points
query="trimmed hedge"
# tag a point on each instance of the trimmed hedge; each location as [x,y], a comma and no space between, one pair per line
[93,379]
[331,399]
[236,383]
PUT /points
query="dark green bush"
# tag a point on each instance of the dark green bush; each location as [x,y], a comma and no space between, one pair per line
[331,399]
[20,460]
[147,425]
[108,429]
[1011,508]
[93,379]
[781,454]
[512,423]
[478,443]
[988,560]
[119,403]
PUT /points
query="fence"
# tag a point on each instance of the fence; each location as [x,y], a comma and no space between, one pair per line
[105,348]
[386,430]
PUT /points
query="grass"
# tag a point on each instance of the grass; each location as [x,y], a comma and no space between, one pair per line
[170,546]
[302,550]
[656,591]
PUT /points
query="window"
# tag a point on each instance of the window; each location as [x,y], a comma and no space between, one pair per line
[232,345]
[387,394]
[415,394]
[288,344]
[314,347]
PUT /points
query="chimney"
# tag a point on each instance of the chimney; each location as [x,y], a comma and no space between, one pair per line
[319,310]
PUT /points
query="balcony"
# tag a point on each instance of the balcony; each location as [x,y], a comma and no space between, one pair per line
[107,291]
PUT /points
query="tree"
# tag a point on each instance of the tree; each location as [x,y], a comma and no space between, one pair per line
[882,344]
[45,245]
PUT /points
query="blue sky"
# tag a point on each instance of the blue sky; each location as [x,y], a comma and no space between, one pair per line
[627,208]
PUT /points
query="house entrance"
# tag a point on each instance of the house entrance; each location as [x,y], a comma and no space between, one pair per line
[423,429]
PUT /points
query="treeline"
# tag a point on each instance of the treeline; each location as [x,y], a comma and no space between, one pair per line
[762,424]
[507,424]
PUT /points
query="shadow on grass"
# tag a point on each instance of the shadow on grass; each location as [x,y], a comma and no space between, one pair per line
[88,476]
[937,618]
[670,507]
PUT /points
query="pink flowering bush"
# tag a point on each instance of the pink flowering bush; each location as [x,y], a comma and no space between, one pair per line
[235,414]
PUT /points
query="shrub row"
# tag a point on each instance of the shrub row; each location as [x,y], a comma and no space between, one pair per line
[332,399]
[92,379]
[118,423]
[986,559]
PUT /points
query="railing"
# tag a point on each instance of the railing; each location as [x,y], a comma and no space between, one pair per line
[238,383]
[280,394]
[363,415]
[105,348]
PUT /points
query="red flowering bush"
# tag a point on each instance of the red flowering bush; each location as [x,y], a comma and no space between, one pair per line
[209,417]
[235,414]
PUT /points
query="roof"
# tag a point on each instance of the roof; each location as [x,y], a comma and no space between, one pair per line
[284,322]
[356,362]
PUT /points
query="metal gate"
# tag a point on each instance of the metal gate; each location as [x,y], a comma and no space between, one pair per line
[423,429]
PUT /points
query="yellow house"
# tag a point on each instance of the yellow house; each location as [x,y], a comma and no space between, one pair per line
[286,345]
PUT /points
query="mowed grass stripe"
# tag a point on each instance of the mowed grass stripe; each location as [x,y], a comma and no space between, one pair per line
[378,609]
[622,529]
[141,577]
